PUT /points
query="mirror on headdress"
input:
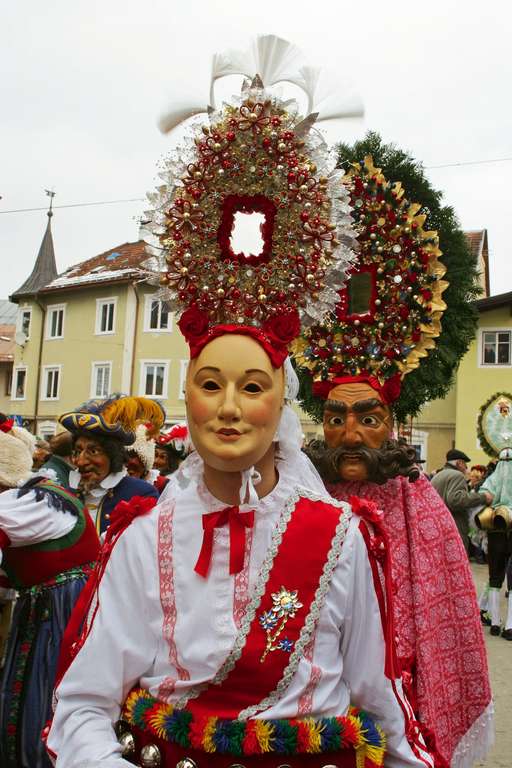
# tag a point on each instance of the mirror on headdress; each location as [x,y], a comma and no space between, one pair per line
[357,299]
[246,236]
[246,228]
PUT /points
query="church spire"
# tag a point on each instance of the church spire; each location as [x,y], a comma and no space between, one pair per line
[45,268]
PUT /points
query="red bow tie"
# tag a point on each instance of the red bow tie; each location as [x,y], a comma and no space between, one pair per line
[238,522]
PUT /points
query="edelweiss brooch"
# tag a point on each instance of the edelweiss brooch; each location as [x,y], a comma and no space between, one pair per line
[273,622]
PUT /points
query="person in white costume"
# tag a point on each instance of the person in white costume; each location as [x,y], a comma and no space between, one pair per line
[161,625]
[241,620]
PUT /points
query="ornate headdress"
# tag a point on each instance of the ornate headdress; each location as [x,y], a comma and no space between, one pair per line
[389,314]
[494,425]
[116,416]
[254,155]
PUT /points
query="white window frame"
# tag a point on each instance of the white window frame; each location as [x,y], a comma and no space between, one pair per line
[50,309]
[183,377]
[46,429]
[46,369]
[19,324]
[150,298]
[15,371]
[142,378]
[100,303]
[481,345]
[95,365]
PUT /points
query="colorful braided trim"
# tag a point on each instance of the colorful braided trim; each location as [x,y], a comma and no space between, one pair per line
[355,730]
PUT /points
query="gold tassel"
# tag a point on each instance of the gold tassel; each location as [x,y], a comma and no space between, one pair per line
[129,412]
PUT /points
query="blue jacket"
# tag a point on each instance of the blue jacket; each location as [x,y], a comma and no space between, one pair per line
[124,491]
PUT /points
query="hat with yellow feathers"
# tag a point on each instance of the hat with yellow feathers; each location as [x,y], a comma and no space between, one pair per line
[116,416]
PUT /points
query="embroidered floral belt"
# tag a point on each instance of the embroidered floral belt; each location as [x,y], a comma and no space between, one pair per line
[353,732]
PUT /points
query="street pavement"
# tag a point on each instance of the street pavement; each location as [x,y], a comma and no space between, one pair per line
[499,653]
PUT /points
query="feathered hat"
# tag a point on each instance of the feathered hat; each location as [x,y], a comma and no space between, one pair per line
[253,155]
[388,316]
[16,449]
[144,446]
[117,416]
[177,439]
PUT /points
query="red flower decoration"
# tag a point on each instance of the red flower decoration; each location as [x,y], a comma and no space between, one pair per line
[283,328]
[391,388]
[193,324]
[7,425]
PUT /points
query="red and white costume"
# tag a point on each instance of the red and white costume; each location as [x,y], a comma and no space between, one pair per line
[183,627]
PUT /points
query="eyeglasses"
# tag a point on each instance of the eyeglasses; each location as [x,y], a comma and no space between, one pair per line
[90,452]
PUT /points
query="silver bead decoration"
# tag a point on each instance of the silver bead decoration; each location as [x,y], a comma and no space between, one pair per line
[150,756]
[127,742]
[186,763]
[397,279]
[397,248]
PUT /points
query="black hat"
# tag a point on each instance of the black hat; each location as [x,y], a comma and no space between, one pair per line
[454,454]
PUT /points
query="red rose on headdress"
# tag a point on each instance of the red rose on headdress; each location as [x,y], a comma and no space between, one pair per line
[283,328]
[193,324]
[391,388]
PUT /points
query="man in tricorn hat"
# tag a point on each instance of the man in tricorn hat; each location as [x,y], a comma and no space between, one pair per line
[101,430]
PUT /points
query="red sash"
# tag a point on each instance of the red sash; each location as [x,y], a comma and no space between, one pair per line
[248,678]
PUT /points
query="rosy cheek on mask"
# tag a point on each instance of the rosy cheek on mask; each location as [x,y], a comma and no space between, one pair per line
[199,407]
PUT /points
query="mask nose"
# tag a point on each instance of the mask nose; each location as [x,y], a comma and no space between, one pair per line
[352,436]
[229,409]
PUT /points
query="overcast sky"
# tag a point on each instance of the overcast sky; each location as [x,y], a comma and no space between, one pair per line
[84,82]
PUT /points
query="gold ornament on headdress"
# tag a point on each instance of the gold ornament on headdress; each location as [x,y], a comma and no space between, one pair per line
[388,317]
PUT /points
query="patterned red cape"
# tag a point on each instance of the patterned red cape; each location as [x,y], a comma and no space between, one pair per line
[440,639]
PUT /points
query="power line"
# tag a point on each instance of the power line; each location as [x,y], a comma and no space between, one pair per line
[470,162]
[141,199]
[79,205]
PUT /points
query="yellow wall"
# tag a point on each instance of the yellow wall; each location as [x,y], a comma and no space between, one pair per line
[476,384]
[437,421]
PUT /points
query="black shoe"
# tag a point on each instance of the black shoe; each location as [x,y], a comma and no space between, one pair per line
[495,630]
[506,634]
[484,618]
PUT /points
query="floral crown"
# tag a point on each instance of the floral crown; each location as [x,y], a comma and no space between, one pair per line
[255,155]
[389,314]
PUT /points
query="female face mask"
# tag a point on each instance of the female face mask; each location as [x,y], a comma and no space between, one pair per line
[234,401]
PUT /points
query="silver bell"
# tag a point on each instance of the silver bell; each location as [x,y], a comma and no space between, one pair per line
[150,756]
[186,763]
[127,743]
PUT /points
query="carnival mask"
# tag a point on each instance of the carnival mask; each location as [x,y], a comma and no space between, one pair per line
[355,418]
[234,400]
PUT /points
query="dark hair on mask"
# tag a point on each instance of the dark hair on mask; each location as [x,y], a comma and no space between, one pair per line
[393,459]
[112,447]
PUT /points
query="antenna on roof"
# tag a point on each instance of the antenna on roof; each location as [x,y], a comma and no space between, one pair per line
[51,194]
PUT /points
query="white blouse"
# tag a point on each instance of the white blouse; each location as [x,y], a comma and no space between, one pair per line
[163,626]
[28,521]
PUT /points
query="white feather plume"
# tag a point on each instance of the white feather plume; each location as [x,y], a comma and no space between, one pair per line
[276,61]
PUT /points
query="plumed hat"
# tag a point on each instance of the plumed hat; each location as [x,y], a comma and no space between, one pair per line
[177,440]
[117,417]
[143,446]
[16,449]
